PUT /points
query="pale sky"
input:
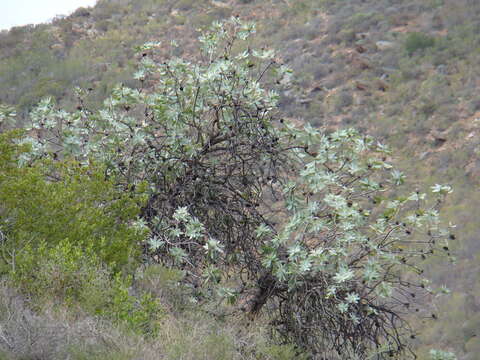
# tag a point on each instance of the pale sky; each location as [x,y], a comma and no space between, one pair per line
[23,12]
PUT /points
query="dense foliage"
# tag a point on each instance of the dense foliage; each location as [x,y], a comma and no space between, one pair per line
[68,236]
[314,224]
[52,201]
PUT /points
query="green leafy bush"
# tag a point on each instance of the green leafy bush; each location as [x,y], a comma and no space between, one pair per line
[68,274]
[67,234]
[142,314]
[50,202]
[418,41]
[58,273]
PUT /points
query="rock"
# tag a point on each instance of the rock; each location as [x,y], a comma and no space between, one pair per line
[383,44]
[304,101]
[424,155]
[57,46]
[220,4]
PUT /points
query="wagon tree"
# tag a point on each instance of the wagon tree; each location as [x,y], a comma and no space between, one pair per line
[313,228]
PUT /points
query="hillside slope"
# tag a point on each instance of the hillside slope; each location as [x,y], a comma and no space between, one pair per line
[406,71]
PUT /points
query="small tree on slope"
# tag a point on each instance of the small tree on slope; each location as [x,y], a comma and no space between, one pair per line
[313,225]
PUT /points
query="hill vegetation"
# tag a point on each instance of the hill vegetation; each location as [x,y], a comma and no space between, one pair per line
[405,72]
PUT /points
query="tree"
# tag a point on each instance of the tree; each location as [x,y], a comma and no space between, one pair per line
[311,224]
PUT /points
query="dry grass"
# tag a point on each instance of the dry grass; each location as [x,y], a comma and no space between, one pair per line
[52,334]
[57,333]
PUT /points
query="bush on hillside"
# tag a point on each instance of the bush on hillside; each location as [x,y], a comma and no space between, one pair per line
[67,235]
[312,225]
[418,41]
[72,276]
[50,202]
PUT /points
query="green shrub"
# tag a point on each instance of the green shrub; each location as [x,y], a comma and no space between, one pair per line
[49,203]
[55,274]
[67,235]
[141,314]
[74,276]
[418,41]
